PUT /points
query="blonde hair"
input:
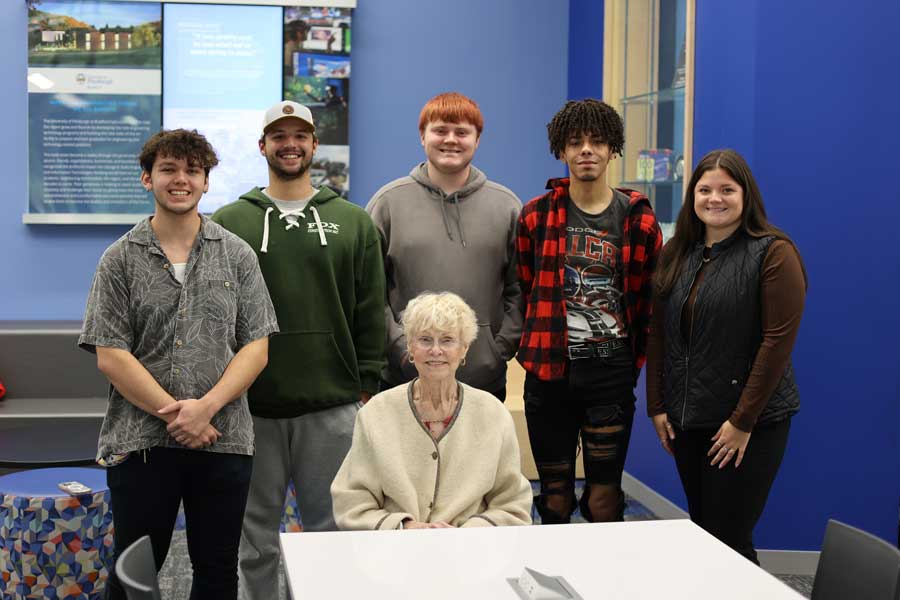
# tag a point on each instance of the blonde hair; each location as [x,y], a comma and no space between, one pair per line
[444,311]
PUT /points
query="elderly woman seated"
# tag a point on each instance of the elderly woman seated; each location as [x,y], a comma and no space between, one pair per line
[434,452]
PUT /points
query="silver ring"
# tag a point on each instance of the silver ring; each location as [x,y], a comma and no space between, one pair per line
[730,450]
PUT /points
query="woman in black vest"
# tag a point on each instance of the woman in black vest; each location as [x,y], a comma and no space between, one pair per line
[730,289]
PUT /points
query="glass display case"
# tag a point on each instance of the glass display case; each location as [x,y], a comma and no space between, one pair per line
[648,78]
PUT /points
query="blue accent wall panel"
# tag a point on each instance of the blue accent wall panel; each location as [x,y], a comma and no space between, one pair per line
[806,90]
[826,132]
[510,56]
[585,49]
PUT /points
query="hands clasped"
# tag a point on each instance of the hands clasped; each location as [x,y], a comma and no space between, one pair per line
[191,426]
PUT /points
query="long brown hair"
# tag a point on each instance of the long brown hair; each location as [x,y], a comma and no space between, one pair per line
[689,229]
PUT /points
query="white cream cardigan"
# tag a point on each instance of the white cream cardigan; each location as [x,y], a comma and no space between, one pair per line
[469,477]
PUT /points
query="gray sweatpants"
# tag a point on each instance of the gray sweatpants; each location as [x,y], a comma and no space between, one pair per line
[309,450]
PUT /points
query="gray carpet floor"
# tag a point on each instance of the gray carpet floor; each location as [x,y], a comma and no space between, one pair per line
[175,576]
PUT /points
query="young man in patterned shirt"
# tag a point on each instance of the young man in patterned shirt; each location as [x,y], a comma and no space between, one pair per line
[179,317]
[586,258]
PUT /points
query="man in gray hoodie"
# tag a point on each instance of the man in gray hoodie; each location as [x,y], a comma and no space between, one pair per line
[445,227]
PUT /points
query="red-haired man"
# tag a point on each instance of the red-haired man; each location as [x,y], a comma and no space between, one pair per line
[445,227]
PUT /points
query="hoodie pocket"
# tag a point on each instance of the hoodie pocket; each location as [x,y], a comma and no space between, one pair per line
[308,365]
[491,340]
[484,365]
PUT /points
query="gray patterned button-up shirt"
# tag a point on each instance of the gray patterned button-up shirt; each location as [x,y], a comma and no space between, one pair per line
[184,335]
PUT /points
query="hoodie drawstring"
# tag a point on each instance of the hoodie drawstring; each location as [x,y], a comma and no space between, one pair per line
[444,215]
[265,241]
[455,198]
[475,181]
[322,240]
[462,236]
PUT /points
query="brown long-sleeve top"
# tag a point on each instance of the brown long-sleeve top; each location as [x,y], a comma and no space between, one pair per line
[783,292]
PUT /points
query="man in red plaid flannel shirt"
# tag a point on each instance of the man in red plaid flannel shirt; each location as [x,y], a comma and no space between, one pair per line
[586,255]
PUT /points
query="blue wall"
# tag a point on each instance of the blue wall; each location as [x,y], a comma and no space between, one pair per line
[585,49]
[813,118]
[806,91]
[509,55]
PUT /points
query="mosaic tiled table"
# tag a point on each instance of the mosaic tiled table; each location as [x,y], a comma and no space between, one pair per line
[54,546]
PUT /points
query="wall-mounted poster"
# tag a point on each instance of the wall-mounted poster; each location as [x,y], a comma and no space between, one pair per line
[94,97]
[317,44]
[222,72]
[103,75]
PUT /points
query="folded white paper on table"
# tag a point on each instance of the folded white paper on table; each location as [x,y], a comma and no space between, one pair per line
[533,585]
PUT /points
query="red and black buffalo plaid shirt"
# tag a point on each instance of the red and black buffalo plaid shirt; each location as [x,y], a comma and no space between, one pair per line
[541,249]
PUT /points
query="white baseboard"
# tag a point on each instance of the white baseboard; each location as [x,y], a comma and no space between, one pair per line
[780,562]
[789,562]
[655,502]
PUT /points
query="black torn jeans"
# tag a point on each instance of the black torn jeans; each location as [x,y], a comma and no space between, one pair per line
[594,404]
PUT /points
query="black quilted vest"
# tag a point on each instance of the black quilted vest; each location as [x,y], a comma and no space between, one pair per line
[705,375]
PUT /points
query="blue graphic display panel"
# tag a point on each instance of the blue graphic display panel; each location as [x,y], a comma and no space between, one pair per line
[222,69]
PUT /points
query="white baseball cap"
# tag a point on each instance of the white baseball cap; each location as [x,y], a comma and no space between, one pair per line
[287,109]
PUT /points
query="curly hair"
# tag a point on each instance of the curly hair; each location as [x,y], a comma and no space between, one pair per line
[586,116]
[179,144]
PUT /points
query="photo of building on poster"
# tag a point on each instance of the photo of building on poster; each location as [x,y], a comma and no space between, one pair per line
[86,34]
[94,97]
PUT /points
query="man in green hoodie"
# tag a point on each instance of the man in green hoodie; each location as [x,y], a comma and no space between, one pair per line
[446,227]
[321,260]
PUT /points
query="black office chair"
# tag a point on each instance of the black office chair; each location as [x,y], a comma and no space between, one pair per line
[136,571]
[855,564]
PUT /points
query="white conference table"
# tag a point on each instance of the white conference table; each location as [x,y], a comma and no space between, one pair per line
[656,560]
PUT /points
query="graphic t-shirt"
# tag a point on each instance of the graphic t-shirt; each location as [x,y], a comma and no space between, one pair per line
[595,309]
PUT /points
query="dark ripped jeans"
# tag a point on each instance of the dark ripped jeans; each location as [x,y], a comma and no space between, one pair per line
[596,402]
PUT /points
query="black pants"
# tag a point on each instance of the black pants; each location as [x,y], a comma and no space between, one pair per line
[596,402]
[146,491]
[728,502]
